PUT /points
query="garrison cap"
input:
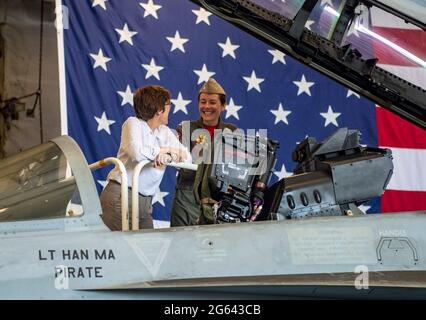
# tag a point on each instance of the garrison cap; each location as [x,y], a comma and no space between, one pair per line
[211,86]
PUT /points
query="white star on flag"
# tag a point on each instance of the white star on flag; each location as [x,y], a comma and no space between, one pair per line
[253,82]
[202,16]
[280,114]
[150,9]
[103,183]
[303,86]
[351,93]
[330,117]
[152,70]
[364,208]
[100,60]
[180,104]
[278,56]
[228,48]
[99,3]
[204,75]
[126,34]
[282,173]
[232,110]
[177,42]
[159,197]
[104,123]
[127,96]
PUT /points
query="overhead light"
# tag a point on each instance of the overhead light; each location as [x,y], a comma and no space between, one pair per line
[331,10]
[390,44]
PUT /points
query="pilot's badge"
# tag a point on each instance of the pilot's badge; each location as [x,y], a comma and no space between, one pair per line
[201,139]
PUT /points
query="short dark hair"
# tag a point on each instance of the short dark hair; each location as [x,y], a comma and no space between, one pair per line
[149,100]
[222,98]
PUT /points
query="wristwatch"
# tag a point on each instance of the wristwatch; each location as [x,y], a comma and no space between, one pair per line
[173,156]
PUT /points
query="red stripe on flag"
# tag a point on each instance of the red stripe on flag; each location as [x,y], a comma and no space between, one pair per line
[414,41]
[397,201]
[393,131]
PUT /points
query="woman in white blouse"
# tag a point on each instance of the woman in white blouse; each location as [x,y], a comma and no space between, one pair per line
[144,137]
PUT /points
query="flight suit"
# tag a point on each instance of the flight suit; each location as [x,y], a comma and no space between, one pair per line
[185,208]
[203,185]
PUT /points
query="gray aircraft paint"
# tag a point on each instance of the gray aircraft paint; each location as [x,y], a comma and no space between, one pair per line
[242,258]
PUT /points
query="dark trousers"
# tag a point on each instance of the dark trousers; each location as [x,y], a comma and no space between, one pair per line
[111,208]
[185,210]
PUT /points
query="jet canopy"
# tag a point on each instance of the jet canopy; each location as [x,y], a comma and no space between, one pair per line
[351,41]
[48,181]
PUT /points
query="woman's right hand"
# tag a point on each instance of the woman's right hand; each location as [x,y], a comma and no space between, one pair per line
[162,159]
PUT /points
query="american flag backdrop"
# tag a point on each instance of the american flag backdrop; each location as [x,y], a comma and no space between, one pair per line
[407,189]
[113,47]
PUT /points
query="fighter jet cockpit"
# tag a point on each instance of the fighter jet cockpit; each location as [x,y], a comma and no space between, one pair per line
[332,178]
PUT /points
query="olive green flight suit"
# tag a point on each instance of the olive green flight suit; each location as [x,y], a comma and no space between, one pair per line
[203,185]
[186,209]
